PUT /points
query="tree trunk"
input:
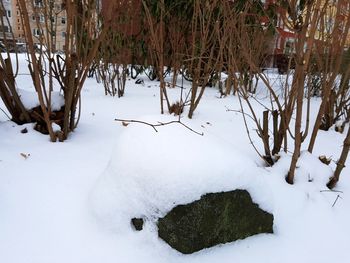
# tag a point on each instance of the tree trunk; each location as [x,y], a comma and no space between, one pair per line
[299,114]
[341,162]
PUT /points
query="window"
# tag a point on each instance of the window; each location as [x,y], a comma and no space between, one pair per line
[42,18]
[63,20]
[289,46]
[36,32]
[8,13]
[4,29]
[63,34]
[38,3]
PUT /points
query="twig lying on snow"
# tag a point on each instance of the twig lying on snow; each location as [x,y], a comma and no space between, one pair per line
[329,190]
[240,112]
[338,196]
[160,124]
[333,191]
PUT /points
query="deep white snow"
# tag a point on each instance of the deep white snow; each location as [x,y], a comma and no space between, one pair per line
[72,202]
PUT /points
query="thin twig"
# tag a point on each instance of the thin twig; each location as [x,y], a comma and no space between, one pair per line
[338,196]
[160,124]
[5,114]
[168,83]
[247,130]
[241,112]
[329,190]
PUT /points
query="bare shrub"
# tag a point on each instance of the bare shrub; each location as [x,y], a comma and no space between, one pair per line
[70,69]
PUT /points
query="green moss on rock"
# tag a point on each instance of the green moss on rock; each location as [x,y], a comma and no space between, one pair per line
[216,218]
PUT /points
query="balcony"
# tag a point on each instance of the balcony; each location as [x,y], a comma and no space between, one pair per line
[9,36]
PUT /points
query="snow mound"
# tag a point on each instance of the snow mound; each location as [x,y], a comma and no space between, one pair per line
[30,99]
[151,172]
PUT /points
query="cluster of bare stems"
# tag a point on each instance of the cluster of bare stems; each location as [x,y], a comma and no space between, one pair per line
[188,41]
[111,69]
[115,52]
[192,38]
[228,38]
[318,51]
[68,70]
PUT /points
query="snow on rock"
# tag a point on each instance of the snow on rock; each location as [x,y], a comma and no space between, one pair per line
[30,99]
[151,172]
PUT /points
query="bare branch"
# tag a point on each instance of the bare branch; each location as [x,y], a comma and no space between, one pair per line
[160,124]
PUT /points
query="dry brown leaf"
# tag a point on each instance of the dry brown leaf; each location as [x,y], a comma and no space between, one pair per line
[325,160]
[125,123]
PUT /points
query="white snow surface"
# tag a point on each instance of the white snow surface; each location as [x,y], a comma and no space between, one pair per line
[72,201]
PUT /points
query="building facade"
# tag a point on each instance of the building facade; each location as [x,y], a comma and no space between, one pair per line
[17,24]
[336,14]
[47,20]
[6,24]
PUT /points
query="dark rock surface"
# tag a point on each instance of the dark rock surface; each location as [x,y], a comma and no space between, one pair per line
[216,218]
[137,223]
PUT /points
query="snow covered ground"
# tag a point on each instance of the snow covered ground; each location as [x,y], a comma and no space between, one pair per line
[72,202]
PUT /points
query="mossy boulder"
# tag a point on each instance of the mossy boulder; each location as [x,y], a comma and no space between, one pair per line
[216,218]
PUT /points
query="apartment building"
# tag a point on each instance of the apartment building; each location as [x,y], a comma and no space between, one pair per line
[337,12]
[6,12]
[47,20]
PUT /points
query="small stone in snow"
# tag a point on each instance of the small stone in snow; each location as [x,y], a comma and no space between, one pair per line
[137,223]
[25,130]
[25,156]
